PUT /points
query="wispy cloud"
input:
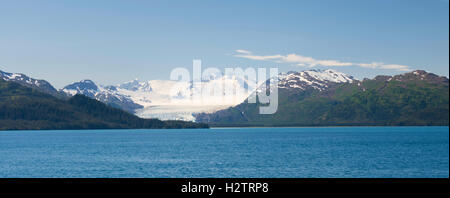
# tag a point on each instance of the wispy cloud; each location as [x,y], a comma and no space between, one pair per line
[243,51]
[305,61]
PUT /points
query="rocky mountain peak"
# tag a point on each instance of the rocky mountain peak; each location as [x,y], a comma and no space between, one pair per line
[84,85]
[136,85]
[317,79]
[24,80]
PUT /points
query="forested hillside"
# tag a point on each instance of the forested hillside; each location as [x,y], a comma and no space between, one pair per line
[27,108]
[415,98]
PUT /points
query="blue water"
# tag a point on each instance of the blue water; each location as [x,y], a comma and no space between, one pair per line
[233,152]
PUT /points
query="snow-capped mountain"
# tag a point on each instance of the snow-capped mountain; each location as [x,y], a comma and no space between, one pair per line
[136,85]
[317,79]
[166,99]
[173,100]
[85,87]
[104,94]
[22,79]
[329,98]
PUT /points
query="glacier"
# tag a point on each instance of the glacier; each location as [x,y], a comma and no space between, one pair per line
[173,100]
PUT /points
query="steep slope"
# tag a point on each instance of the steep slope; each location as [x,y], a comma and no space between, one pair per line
[24,80]
[26,108]
[106,95]
[415,98]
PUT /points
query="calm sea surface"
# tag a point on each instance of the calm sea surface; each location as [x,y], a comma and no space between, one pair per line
[231,152]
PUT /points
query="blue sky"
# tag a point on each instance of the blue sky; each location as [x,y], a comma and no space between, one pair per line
[116,41]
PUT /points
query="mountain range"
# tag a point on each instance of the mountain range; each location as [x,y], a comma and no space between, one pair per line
[306,98]
[154,99]
[159,99]
[327,98]
[31,108]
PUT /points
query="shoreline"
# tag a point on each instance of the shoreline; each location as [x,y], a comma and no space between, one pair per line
[231,127]
[340,126]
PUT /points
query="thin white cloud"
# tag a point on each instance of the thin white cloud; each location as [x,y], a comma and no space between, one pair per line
[243,51]
[263,58]
[305,61]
